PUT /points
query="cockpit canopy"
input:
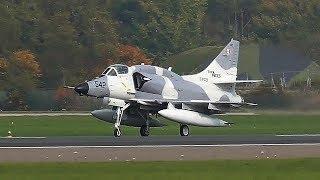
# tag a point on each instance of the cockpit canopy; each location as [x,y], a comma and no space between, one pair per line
[116,69]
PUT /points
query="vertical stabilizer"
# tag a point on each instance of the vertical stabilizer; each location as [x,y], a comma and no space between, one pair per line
[224,67]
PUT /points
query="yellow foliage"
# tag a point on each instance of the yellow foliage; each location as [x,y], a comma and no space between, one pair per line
[132,55]
[126,54]
[27,60]
[269,5]
[3,65]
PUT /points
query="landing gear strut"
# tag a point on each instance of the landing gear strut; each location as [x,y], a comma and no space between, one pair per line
[144,130]
[120,110]
[184,130]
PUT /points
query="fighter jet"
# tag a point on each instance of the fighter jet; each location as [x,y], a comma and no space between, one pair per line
[138,92]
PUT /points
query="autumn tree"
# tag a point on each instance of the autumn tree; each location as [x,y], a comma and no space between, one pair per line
[125,54]
[77,39]
[23,72]
[3,65]
[131,55]
[3,72]
[63,98]
[25,69]
[26,61]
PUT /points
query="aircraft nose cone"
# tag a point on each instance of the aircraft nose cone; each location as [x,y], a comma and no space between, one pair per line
[82,88]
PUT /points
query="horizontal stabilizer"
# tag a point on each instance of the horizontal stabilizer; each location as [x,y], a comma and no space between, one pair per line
[239,82]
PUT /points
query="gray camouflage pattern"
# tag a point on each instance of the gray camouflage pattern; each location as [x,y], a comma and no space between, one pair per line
[162,85]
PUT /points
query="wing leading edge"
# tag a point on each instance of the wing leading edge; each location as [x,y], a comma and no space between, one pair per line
[160,101]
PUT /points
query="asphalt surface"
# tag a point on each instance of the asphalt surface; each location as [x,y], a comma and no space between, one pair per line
[155,140]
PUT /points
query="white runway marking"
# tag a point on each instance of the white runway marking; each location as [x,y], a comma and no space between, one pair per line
[23,137]
[163,146]
[279,135]
[42,114]
[298,135]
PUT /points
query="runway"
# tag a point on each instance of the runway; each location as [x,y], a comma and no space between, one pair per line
[157,140]
[157,148]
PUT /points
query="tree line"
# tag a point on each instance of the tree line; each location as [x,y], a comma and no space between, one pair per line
[43,42]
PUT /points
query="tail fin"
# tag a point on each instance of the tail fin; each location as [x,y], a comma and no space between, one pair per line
[224,67]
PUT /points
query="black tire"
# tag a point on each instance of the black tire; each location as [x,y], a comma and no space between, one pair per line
[117,133]
[144,131]
[184,130]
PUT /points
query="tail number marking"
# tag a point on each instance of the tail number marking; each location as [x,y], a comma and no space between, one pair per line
[214,74]
[204,79]
[100,84]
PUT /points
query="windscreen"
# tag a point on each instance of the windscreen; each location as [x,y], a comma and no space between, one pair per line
[121,69]
[112,72]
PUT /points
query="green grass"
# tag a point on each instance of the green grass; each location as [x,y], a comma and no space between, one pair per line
[293,169]
[89,126]
[312,71]
[187,61]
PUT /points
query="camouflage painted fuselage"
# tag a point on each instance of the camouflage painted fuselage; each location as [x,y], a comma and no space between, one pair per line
[139,90]
[149,85]
[145,83]
[162,85]
[167,85]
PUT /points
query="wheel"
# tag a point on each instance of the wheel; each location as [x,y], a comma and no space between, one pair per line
[184,130]
[144,131]
[117,133]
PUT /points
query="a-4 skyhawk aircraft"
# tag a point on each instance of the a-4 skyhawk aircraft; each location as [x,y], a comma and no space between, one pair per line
[139,91]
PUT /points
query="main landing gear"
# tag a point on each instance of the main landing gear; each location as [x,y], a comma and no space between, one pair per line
[120,110]
[144,130]
[184,130]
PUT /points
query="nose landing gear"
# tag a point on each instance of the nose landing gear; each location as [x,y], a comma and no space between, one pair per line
[117,132]
[120,110]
